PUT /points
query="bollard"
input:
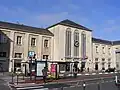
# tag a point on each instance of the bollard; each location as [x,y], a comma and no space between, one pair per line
[23,77]
[98,86]
[17,78]
[116,79]
[84,85]
[12,77]
[102,80]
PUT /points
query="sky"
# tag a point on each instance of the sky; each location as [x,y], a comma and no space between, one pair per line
[102,16]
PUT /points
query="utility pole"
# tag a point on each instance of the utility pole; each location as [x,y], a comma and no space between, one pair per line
[30,68]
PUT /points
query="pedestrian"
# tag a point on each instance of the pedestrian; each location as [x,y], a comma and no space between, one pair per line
[44,72]
[88,69]
[75,72]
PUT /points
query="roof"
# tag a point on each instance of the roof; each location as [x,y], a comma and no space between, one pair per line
[70,24]
[101,41]
[24,28]
[116,42]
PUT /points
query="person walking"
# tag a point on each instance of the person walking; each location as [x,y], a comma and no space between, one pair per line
[44,72]
[75,72]
[88,69]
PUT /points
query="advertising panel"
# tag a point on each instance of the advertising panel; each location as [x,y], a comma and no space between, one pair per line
[53,67]
[40,67]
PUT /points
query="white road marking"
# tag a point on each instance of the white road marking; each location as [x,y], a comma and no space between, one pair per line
[106,73]
[100,73]
[93,73]
[87,74]
[79,74]
[28,88]
[41,89]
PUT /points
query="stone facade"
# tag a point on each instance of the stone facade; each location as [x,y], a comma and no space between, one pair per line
[66,42]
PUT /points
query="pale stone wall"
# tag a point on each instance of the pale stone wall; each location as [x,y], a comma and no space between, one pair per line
[25,47]
[106,55]
[59,43]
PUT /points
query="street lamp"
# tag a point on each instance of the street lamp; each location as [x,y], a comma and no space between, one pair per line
[12,69]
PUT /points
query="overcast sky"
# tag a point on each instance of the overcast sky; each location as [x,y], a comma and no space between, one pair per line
[102,16]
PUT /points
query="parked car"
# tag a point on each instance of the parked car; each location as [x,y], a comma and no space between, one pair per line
[110,70]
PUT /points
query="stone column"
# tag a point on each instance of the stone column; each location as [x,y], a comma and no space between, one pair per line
[26,49]
[11,51]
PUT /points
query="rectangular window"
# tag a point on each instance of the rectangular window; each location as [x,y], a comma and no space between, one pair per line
[45,43]
[109,64]
[45,56]
[103,59]
[103,64]
[83,45]
[109,52]
[33,41]
[2,54]
[68,67]
[68,44]
[62,67]
[19,40]
[96,59]
[103,50]
[109,60]
[96,49]
[18,55]
[3,38]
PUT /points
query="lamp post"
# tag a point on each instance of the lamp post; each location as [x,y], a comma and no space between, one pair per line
[30,68]
[12,69]
[46,62]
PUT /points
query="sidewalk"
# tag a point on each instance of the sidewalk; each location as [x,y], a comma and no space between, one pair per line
[70,78]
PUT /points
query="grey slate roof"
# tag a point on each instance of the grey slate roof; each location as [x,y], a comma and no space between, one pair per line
[102,41]
[70,24]
[25,28]
[96,40]
[116,42]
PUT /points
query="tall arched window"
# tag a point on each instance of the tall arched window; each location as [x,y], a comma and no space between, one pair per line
[68,43]
[83,45]
[76,43]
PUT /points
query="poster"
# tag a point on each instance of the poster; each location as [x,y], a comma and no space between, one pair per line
[40,67]
[53,67]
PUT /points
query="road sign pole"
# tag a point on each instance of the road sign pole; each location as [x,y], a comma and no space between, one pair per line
[31,68]
[98,86]
[116,79]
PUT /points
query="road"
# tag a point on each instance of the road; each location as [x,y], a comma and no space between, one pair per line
[102,86]
[4,81]
[3,85]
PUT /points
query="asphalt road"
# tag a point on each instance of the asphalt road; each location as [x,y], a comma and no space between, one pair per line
[102,86]
[3,85]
